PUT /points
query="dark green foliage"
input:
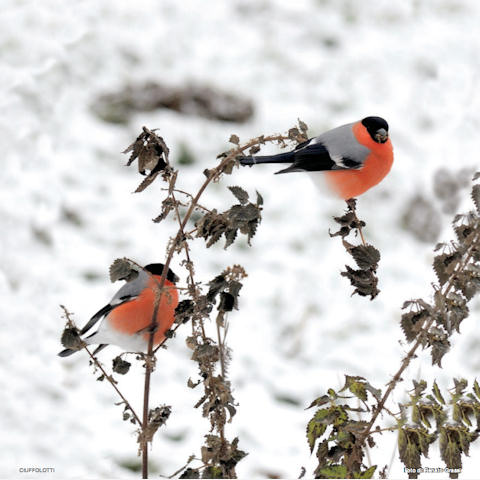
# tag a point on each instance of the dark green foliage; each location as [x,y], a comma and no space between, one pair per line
[336,431]
[455,425]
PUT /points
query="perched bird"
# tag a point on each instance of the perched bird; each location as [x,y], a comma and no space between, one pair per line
[127,317]
[353,158]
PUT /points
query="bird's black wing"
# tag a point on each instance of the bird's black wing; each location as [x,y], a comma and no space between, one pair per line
[103,312]
[315,157]
[310,158]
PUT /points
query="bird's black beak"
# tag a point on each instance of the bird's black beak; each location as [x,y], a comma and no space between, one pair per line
[381,136]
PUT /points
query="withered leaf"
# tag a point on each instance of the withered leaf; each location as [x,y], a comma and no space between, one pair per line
[439,246]
[364,281]
[167,206]
[184,311]
[234,287]
[355,426]
[148,180]
[192,384]
[412,323]
[444,264]
[244,218]
[293,133]
[241,214]
[348,222]
[203,306]
[227,302]
[230,236]
[231,410]
[240,194]
[440,347]
[123,269]
[120,366]
[228,167]
[211,226]
[71,339]
[234,139]
[259,199]
[303,126]
[156,418]
[190,473]
[206,352]
[254,150]
[476,195]
[463,232]
[216,285]
[151,152]
[365,256]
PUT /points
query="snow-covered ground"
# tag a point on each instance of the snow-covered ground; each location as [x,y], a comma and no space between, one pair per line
[66,211]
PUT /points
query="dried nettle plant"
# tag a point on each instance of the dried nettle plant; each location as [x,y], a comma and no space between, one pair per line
[202,300]
[344,425]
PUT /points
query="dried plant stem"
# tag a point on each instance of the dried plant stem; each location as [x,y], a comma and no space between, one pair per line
[213,174]
[420,338]
[352,205]
[221,344]
[361,235]
[112,383]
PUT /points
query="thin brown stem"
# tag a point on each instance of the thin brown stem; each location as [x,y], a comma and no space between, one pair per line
[221,343]
[112,383]
[361,235]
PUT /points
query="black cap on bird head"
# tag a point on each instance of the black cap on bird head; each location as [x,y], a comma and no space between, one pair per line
[157,269]
[377,127]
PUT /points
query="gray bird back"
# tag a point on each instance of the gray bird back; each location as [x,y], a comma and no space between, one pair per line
[341,143]
[131,289]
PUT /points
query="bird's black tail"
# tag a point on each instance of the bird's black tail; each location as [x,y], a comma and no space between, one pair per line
[67,352]
[286,157]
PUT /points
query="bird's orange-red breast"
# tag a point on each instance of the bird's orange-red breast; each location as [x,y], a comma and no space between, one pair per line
[376,165]
[352,158]
[136,315]
[127,318]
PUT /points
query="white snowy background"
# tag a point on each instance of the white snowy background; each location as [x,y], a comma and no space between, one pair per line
[67,211]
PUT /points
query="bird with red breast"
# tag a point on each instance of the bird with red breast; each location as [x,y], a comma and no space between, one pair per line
[351,158]
[127,319]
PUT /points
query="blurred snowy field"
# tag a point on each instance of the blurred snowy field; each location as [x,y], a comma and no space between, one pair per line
[67,211]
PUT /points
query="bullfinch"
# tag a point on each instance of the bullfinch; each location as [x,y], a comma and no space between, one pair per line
[127,317]
[353,157]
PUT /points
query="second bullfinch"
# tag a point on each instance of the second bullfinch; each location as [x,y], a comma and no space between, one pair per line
[354,157]
[127,317]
